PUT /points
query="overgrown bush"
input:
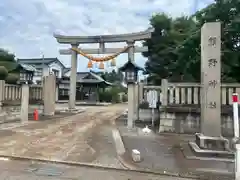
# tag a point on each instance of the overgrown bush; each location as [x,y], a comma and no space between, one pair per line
[12,78]
[3,73]
[110,95]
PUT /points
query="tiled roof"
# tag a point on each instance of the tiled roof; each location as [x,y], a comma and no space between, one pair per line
[81,78]
[66,70]
[28,67]
[39,61]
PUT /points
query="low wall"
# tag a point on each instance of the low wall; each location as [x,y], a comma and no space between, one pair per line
[11,113]
[186,119]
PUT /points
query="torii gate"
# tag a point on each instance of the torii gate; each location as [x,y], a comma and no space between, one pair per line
[75,41]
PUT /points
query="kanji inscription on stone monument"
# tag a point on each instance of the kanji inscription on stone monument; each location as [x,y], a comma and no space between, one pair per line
[212,83]
[212,105]
[212,41]
[211,79]
[212,62]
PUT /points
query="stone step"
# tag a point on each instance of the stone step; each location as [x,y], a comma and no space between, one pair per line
[210,153]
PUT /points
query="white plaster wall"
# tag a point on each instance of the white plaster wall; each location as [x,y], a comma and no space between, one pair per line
[56,66]
[46,70]
[45,73]
[36,78]
[67,74]
[64,86]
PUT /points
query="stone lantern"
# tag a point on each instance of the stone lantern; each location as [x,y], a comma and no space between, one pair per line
[131,77]
[131,72]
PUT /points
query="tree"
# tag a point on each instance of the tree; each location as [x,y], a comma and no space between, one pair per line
[162,58]
[174,49]
[228,13]
[7,60]
[113,76]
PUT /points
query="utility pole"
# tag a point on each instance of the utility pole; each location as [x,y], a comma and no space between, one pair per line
[42,67]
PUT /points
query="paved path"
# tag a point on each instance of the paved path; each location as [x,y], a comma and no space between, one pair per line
[70,139]
[161,153]
[15,170]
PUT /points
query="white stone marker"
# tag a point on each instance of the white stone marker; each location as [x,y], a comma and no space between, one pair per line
[136,156]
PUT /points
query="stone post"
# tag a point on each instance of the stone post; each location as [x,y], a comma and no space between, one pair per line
[141,90]
[136,98]
[211,79]
[164,100]
[73,80]
[57,93]
[24,103]
[131,90]
[2,92]
[237,160]
[164,92]
[130,106]
[49,88]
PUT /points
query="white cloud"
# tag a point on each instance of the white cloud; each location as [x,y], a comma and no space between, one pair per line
[27,27]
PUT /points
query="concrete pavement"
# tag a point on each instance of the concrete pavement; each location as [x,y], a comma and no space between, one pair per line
[162,154]
[26,170]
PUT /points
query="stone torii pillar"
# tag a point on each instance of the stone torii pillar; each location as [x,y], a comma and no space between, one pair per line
[131,89]
[73,79]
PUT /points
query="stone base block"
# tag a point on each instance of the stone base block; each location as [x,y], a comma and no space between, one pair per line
[212,143]
[136,155]
[212,147]
[210,153]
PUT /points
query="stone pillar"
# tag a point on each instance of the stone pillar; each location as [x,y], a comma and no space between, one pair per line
[140,92]
[73,80]
[136,98]
[164,92]
[211,79]
[132,86]
[2,92]
[164,117]
[131,106]
[49,90]
[24,103]
[57,93]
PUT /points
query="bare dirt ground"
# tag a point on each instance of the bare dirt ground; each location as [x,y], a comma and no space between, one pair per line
[73,138]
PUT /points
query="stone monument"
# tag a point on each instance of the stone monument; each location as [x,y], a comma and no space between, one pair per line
[210,140]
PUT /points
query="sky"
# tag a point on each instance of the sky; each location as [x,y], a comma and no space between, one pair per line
[27,27]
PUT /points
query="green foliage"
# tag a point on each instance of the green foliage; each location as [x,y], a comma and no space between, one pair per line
[3,73]
[6,56]
[7,60]
[110,95]
[174,49]
[113,76]
[12,78]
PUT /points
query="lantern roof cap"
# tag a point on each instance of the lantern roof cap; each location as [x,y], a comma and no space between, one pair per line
[131,65]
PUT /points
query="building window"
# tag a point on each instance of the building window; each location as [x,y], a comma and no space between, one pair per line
[63,92]
[55,72]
